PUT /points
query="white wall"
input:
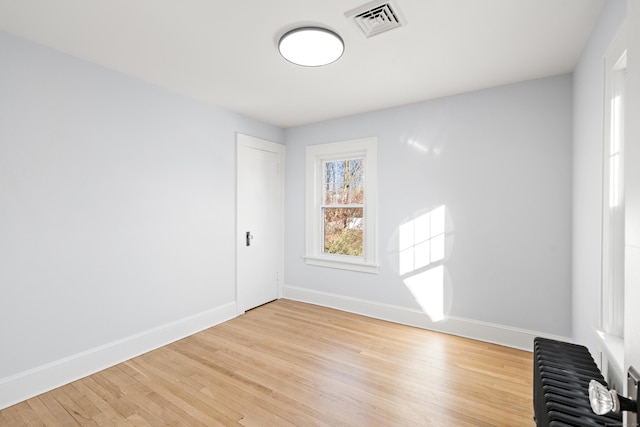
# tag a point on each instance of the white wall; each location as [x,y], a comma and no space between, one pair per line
[588,101]
[115,205]
[500,160]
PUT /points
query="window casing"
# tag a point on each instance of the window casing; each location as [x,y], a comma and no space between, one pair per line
[613,203]
[341,211]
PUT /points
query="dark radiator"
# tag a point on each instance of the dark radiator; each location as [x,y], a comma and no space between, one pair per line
[561,375]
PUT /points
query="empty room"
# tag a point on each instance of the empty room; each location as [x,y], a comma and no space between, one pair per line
[296,213]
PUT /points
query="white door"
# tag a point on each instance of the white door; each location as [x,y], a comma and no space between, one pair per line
[260,188]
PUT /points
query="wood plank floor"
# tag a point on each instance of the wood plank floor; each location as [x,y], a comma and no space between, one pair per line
[294,364]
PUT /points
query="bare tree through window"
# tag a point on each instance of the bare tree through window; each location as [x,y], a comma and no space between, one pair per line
[343,207]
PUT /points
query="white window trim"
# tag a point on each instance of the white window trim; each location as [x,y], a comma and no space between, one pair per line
[610,333]
[316,155]
[612,302]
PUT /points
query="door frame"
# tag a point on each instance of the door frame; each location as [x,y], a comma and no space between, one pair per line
[248,141]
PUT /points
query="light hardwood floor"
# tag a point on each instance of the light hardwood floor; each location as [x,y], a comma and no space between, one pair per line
[293,364]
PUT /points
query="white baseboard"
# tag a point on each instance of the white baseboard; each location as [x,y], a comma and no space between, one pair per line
[27,384]
[482,331]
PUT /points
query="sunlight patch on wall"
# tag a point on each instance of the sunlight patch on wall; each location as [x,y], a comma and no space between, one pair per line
[428,289]
[423,245]
[417,145]
[421,241]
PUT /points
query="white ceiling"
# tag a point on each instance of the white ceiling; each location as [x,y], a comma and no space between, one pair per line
[225,52]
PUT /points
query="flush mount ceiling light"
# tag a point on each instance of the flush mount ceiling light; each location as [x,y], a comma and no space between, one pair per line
[311,46]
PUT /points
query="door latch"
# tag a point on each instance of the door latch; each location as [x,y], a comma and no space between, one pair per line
[248,238]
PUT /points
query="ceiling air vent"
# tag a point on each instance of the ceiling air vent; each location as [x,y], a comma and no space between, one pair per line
[376,17]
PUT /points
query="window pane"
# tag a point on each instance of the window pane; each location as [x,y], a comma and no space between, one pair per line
[343,182]
[343,231]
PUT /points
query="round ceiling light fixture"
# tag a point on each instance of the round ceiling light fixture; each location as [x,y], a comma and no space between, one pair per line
[311,46]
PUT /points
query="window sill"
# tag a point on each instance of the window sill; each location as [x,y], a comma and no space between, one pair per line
[613,348]
[342,264]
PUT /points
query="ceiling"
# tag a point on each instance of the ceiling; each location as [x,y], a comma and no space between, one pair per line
[225,52]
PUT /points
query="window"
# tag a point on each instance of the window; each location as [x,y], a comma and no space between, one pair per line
[341,205]
[613,201]
[612,328]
